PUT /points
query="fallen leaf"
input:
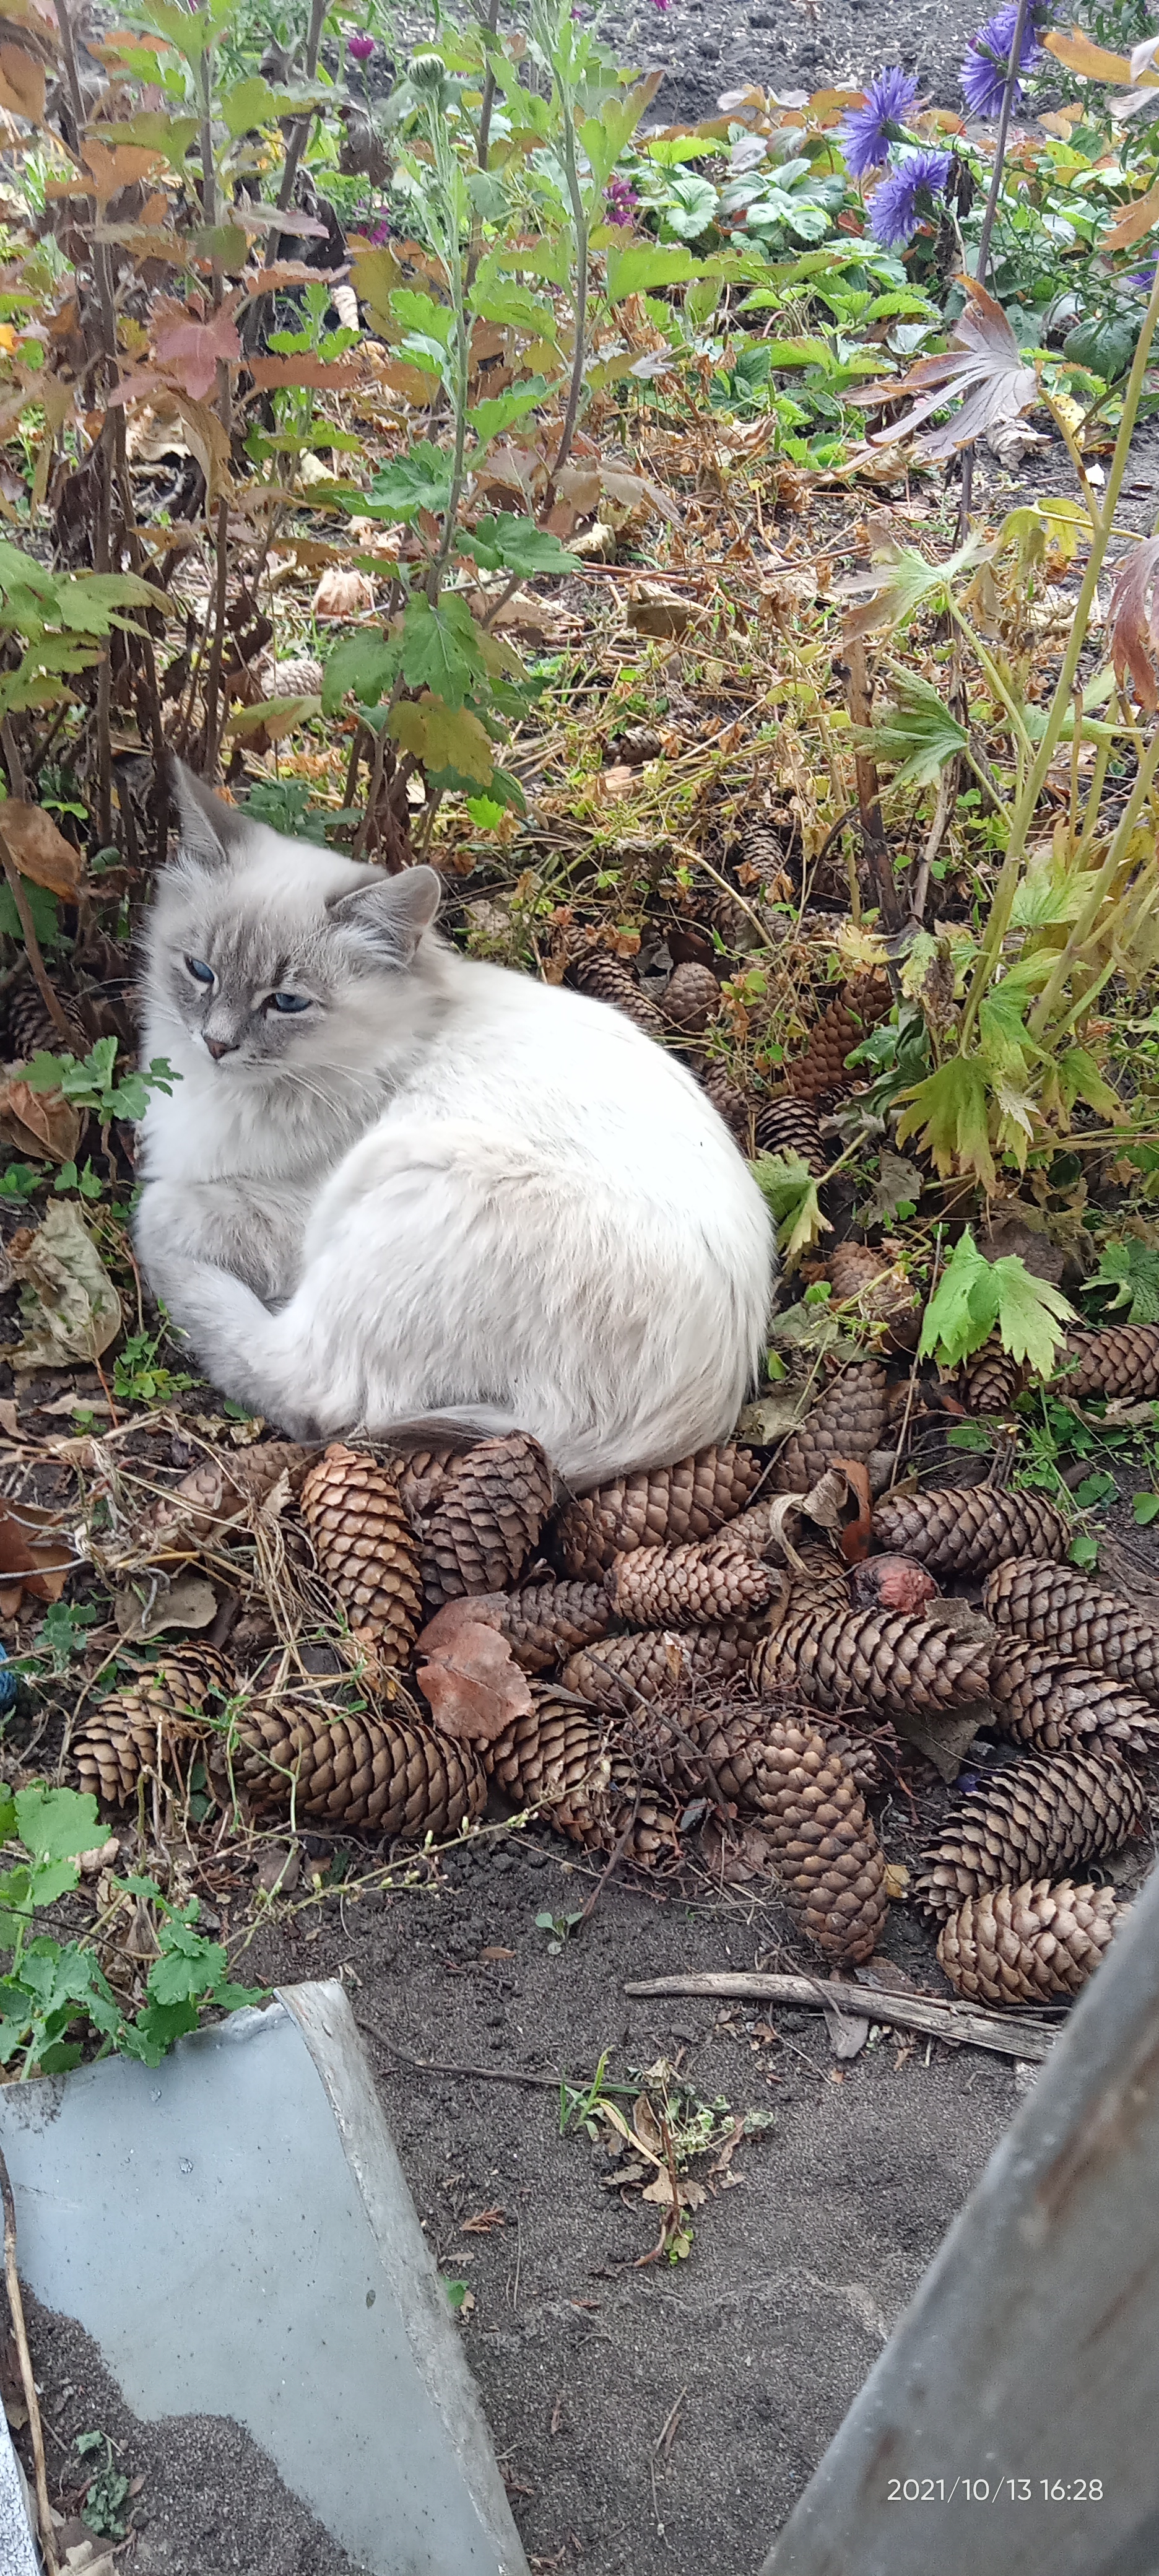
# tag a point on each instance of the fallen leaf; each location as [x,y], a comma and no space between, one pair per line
[68,1305]
[848,2032]
[36,1554]
[41,851]
[22,85]
[983,363]
[896,1881]
[342,593]
[619,780]
[472,1684]
[9,1422]
[154,1607]
[840,1502]
[39,1122]
[655,610]
[317,374]
[944,1735]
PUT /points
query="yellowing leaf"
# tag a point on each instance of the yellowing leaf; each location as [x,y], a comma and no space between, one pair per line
[1132,225]
[950,1109]
[443,737]
[1091,62]
[274,716]
[39,849]
[21,84]
[68,1305]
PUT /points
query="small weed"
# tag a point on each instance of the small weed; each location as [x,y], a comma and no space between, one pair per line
[560,1926]
[18,1182]
[140,1378]
[107,2490]
[91,1082]
[61,1633]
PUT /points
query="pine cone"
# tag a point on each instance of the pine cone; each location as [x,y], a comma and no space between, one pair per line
[663,1587]
[1121,1360]
[991,1380]
[693,1499]
[873,1658]
[1047,1700]
[762,851]
[402,1779]
[967,1529]
[423,1477]
[27,1027]
[1055,1605]
[789,1127]
[822,1067]
[1032,1818]
[730,1103]
[623,1670]
[882,1293]
[546,1621]
[366,1552]
[488,1520]
[605,978]
[692,997]
[1020,1945]
[823,1845]
[823,1586]
[555,1758]
[847,1423]
[137,1727]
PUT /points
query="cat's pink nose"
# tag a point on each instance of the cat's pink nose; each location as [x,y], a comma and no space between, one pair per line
[221,1046]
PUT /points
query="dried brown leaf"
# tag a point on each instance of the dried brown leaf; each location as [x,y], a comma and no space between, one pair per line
[472,1683]
[1133,622]
[40,851]
[984,365]
[35,1553]
[39,1122]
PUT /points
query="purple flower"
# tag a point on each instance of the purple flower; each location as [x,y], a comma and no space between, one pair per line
[361,47]
[867,132]
[661,5]
[987,59]
[896,209]
[622,202]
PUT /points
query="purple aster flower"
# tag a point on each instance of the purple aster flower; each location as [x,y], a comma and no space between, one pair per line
[361,47]
[622,202]
[867,132]
[896,207]
[987,59]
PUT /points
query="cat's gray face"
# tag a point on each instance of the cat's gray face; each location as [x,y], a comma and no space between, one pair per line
[272,954]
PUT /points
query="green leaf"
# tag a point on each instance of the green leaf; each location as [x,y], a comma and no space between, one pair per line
[1083,1549]
[490,419]
[440,648]
[55,1824]
[365,663]
[1032,1315]
[975,1296]
[1132,1268]
[450,742]
[420,480]
[790,1190]
[918,733]
[642,268]
[1145,1508]
[512,544]
[950,1108]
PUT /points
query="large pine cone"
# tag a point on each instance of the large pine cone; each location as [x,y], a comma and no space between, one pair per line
[663,1587]
[1048,1701]
[366,1551]
[402,1779]
[968,1529]
[487,1520]
[847,1423]
[423,1476]
[693,1499]
[876,1659]
[790,1129]
[1055,1605]
[555,1759]
[824,1847]
[691,997]
[822,1067]
[546,1621]
[623,1670]
[729,1102]
[605,978]
[27,1028]
[1033,1818]
[1021,1945]
[991,1380]
[138,1727]
[762,851]
[1121,1360]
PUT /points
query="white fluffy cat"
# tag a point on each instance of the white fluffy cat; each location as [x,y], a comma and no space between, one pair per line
[393,1183]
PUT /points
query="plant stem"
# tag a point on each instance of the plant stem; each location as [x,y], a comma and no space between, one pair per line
[36,963]
[1101,884]
[988,213]
[1007,886]
[580,225]
[297,143]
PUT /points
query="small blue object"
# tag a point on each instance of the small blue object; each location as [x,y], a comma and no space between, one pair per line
[7,1685]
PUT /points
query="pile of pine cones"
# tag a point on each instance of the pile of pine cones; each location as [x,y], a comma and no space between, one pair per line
[664,1665]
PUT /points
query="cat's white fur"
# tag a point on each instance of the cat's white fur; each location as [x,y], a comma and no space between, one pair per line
[445,1188]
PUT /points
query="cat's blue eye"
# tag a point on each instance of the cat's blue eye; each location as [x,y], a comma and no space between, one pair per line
[289,1001]
[201,973]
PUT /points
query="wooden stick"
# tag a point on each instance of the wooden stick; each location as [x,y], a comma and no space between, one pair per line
[959,2023]
[27,2378]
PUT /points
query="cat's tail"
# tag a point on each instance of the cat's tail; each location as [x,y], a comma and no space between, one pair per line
[460,1430]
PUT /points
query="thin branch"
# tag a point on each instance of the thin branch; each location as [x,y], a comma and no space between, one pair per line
[1010,2036]
[36,963]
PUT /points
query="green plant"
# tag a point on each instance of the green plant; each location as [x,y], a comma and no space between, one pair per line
[976,1298]
[140,1378]
[62,1631]
[560,1927]
[92,1083]
[51,1987]
[107,2488]
[18,1182]
[1131,1269]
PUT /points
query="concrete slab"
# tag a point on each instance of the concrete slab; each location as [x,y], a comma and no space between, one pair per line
[234,2230]
[18,2556]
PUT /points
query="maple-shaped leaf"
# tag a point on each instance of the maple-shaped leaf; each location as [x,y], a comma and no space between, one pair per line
[950,1108]
[917,732]
[983,364]
[191,351]
[977,1297]
[1133,622]
[1132,1270]
[440,647]
[789,1189]
[444,738]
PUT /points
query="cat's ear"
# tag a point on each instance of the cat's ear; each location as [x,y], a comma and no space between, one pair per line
[389,914]
[211,832]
